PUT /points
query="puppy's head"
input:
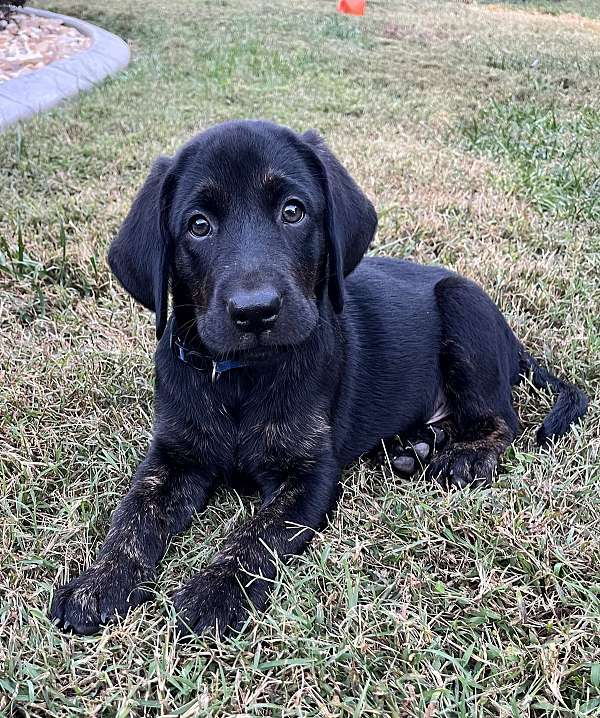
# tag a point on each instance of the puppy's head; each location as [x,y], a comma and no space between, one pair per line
[253,226]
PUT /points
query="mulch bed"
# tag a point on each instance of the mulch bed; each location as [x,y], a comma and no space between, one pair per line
[30,42]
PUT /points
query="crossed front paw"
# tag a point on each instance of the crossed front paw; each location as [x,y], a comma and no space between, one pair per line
[217,600]
[410,453]
[109,588]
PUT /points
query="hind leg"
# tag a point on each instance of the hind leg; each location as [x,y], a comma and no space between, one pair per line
[472,460]
[479,361]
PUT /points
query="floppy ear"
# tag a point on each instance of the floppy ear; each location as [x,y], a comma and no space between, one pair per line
[350,218]
[140,254]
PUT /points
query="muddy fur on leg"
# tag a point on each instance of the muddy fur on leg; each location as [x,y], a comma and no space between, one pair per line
[474,459]
[219,597]
[480,363]
[160,504]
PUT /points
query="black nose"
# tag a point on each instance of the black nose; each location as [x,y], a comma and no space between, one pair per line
[254,311]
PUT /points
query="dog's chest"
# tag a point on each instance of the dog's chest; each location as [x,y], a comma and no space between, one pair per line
[275,438]
[251,432]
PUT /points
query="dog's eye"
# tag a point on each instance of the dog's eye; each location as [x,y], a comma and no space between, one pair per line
[293,211]
[199,226]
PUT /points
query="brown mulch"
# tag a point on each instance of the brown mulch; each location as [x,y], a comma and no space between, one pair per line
[29,43]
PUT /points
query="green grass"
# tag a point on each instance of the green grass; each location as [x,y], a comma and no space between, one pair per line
[553,162]
[474,129]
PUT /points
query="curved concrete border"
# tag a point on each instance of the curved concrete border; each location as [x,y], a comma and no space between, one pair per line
[39,90]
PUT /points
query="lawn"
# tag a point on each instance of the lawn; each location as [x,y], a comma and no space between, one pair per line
[475,130]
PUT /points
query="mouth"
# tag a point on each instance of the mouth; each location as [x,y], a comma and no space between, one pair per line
[257,353]
[223,342]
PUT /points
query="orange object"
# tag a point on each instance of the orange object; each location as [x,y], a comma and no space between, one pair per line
[352,7]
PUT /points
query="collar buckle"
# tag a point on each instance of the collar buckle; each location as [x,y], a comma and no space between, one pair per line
[201,362]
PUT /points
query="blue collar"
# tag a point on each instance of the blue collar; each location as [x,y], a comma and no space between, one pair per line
[202,362]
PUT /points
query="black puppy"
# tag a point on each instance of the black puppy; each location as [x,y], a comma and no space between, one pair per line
[284,359]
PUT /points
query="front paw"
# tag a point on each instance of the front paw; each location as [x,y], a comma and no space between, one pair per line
[461,466]
[215,601]
[109,588]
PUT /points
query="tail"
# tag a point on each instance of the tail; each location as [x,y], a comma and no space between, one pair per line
[571,403]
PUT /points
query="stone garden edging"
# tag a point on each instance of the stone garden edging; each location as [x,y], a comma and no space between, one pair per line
[24,96]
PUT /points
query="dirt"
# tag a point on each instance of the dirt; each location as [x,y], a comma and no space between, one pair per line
[29,43]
